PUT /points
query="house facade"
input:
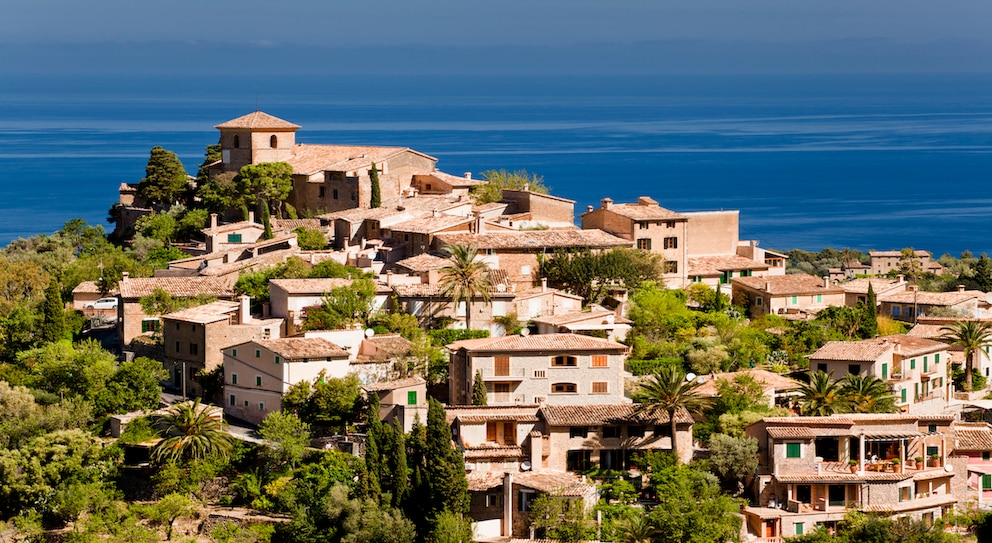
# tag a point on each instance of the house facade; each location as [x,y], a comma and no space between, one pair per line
[909,305]
[553,369]
[258,373]
[813,470]
[914,368]
[791,294]
[132,319]
[883,262]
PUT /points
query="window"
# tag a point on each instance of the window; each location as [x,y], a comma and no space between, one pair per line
[334,194]
[758,301]
[662,430]
[234,353]
[233,400]
[194,349]
[501,366]
[669,224]
[320,192]
[936,358]
[644,243]
[611,432]
[600,361]
[902,396]
[261,406]
[234,238]
[258,380]
[149,325]
[671,266]
[278,359]
[273,142]
[643,225]
[564,388]
[912,363]
[799,528]
[578,460]
[578,431]
[905,493]
[494,500]
[932,428]
[524,499]
[793,450]
[635,431]
[821,367]
[524,270]
[600,387]
[794,300]
[986,456]
[234,378]
[540,374]
[854,369]
[411,397]
[932,450]
[563,360]
[177,347]
[885,371]
[258,353]
[246,403]
[819,298]
[671,243]
[237,141]
[986,481]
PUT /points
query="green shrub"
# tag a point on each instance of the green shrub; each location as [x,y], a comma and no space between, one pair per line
[448,335]
[650,367]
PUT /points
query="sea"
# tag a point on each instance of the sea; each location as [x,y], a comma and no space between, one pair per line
[811,161]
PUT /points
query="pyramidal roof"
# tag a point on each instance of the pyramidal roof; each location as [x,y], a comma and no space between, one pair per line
[258,119]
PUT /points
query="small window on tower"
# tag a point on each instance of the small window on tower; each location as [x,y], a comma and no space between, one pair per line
[273,142]
[237,141]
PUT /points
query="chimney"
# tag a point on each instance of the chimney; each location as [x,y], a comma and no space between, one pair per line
[646,201]
[389,278]
[588,209]
[244,314]
[898,347]
[544,284]
[213,220]
[251,215]
[526,187]
[960,288]
[826,281]
[434,213]
[768,286]
[606,203]
[900,278]
[913,288]
[125,275]
[480,224]
[468,175]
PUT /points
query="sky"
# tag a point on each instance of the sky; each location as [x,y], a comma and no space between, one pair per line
[708,34]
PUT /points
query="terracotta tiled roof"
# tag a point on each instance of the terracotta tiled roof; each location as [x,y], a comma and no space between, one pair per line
[640,212]
[932,298]
[308,159]
[480,481]
[768,378]
[593,415]
[423,262]
[915,345]
[929,331]
[456,181]
[535,239]
[499,287]
[89,287]
[538,291]
[295,348]
[203,314]
[407,207]
[502,452]
[976,437]
[716,265]
[501,412]
[860,285]
[791,432]
[832,420]
[499,417]
[395,384]
[561,483]
[311,286]
[867,350]
[260,120]
[430,225]
[537,343]
[604,316]
[292,224]
[179,287]
[231,226]
[918,252]
[781,285]
[836,477]
[391,344]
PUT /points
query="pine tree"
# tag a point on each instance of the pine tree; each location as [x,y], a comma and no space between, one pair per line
[479,390]
[53,327]
[983,273]
[376,191]
[166,180]
[871,314]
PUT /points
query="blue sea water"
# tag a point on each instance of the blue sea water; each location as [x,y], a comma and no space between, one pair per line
[855,161]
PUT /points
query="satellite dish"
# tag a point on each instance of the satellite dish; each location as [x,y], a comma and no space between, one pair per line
[525,465]
[525,332]
[700,379]
[369,332]
[690,376]
[469,466]
[948,468]
[502,288]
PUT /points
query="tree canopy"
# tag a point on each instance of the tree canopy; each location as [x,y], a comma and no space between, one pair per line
[166,181]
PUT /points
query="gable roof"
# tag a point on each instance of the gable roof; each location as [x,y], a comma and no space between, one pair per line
[258,120]
[538,343]
[918,253]
[430,225]
[294,348]
[642,212]
[394,384]
[181,287]
[204,314]
[972,437]
[311,286]
[860,285]
[781,285]
[423,262]
[228,227]
[716,265]
[308,158]
[535,239]
[867,350]
[594,415]
[764,377]
[932,298]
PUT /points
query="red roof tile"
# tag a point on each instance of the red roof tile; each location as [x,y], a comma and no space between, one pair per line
[594,415]
[781,285]
[259,120]
[535,239]
[538,343]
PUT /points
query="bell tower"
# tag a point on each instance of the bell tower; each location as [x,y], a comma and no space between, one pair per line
[253,138]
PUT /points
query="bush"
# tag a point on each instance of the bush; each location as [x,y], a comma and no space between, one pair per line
[449,335]
[310,240]
[650,367]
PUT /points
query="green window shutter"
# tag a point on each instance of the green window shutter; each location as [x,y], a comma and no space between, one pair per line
[234,238]
[234,378]
[904,395]
[234,353]
[258,380]
[795,300]
[986,481]
[799,528]
[819,298]
[411,397]
[986,456]
[793,450]
[916,390]
[278,360]
[924,364]
[885,371]
[936,359]
[912,363]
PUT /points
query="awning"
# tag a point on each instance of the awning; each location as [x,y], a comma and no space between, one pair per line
[888,436]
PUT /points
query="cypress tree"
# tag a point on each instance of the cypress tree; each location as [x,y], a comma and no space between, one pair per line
[376,191]
[983,273]
[373,452]
[267,234]
[53,327]
[395,458]
[479,390]
[445,465]
[417,505]
[871,313]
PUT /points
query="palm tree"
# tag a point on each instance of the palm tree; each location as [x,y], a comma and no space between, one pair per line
[867,394]
[971,336]
[638,530]
[464,279]
[821,396]
[669,392]
[192,432]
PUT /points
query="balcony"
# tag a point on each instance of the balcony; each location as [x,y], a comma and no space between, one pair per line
[504,375]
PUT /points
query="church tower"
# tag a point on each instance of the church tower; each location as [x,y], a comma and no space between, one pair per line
[253,138]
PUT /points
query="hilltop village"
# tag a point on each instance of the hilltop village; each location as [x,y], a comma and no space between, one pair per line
[338,308]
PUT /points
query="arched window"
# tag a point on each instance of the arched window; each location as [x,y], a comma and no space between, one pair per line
[237,141]
[273,142]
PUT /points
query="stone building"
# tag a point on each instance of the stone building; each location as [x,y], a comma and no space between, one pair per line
[133,321]
[794,294]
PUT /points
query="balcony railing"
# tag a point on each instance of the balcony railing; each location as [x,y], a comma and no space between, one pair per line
[512,374]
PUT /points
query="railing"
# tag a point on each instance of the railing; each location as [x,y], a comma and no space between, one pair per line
[491,373]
